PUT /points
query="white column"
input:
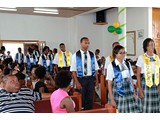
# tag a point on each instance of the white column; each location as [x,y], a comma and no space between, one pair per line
[122,21]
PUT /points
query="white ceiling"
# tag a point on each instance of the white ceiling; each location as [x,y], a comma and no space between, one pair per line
[63,11]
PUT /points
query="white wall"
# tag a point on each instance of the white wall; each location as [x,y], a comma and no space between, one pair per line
[69,30]
[86,28]
[139,18]
[109,38]
[28,27]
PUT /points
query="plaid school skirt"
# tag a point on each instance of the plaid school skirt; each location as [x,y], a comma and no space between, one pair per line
[127,102]
[150,103]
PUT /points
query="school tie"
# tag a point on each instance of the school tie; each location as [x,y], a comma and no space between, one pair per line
[123,67]
[35,53]
[20,57]
[65,59]
[85,63]
[152,59]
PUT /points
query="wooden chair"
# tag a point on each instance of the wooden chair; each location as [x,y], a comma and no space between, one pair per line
[107,109]
[78,101]
[43,106]
[103,90]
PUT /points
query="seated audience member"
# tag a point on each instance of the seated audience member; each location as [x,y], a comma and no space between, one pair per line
[15,66]
[33,77]
[60,100]
[97,52]
[14,99]
[1,57]
[28,82]
[40,86]
[21,79]
[1,74]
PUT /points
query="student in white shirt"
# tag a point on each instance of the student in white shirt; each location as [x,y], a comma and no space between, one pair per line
[45,61]
[109,59]
[8,55]
[3,49]
[1,74]
[35,51]
[85,71]
[19,57]
[62,59]
[120,83]
[30,60]
[148,78]
[1,57]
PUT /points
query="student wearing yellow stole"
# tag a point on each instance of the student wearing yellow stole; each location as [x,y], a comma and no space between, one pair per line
[110,58]
[120,83]
[62,59]
[148,78]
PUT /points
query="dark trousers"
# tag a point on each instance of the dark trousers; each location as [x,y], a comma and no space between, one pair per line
[64,68]
[87,91]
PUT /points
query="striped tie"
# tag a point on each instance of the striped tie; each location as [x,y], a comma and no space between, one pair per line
[85,63]
[123,67]
[65,59]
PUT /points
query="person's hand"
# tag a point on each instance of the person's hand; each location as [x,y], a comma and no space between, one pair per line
[135,96]
[96,85]
[141,95]
[158,89]
[78,85]
[113,103]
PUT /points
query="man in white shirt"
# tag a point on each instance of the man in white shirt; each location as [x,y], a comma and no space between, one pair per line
[3,52]
[30,60]
[1,57]
[85,69]
[109,59]
[35,51]
[19,57]
[45,61]
[62,59]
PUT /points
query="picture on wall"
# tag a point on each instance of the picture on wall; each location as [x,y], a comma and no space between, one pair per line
[140,34]
[131,43]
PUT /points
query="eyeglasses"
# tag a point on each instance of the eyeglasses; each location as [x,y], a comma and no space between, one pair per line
[122,52]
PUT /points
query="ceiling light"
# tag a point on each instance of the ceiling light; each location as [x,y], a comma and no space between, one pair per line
[8,8]
[45,9]
[45,12]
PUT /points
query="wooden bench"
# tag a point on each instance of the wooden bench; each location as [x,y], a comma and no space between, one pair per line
[44,106]
[107,109]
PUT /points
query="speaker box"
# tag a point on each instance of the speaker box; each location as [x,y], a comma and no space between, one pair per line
[100,16]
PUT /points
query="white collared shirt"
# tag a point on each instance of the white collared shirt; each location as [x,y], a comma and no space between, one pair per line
[110,71]
[89,68]
[1,56]
[40,62]
[35,52]
[31,58]
[8,56]
[140,63]
[19,57]
[107,62]
[56,59]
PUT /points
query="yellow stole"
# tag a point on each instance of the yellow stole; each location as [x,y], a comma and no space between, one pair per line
[148,71]
[61,59]
[111,58]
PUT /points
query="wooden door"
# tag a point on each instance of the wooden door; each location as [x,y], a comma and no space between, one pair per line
[156,28]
